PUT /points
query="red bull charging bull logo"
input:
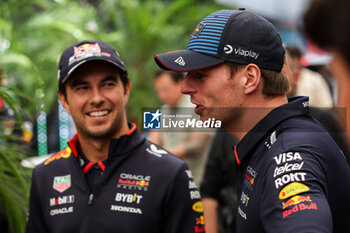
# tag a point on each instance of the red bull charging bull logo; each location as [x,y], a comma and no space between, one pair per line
[295,200]
[200,220]
[298,203]
[62,154]
[131,181]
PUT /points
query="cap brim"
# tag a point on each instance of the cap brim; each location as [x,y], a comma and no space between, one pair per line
[71,70]
[185,60]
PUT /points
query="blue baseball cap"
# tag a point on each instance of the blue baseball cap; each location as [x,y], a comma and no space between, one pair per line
[237,36]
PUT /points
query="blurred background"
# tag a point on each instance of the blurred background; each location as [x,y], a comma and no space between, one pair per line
[34,33]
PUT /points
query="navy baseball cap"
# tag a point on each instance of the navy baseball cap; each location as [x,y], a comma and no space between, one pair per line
[84,51]
[237,36]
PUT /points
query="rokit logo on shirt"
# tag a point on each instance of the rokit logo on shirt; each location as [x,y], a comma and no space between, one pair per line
[130,181]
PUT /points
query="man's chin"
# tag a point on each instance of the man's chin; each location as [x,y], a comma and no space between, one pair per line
[98,132]
[203,117]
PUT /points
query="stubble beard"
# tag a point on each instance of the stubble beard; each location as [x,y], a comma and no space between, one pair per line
[96,133]
[231,119]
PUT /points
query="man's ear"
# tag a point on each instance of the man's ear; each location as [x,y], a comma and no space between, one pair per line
[64,101]
[253,77]
[127,93]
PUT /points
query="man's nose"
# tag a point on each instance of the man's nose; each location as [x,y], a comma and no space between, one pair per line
[187,86]
[96,96]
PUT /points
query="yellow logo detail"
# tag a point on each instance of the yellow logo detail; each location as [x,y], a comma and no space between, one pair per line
[198,207]
[292,189]
[200,220]
[62,154]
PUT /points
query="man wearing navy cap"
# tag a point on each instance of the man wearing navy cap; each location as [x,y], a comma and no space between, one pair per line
[292,175]
[109,178]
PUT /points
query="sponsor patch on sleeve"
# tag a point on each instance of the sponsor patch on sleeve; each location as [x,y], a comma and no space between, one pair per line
[198,207]
[292,189]
[61,154]
[296,204]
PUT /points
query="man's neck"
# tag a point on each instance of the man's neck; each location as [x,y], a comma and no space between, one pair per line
[96,150]
[254,112]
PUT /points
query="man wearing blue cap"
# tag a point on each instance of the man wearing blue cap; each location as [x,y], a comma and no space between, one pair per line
[292,175]
[109,178]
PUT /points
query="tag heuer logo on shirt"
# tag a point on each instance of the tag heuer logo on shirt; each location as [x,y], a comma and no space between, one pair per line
[61,183]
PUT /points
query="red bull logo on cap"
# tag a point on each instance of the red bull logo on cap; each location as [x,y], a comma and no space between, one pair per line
[87,50]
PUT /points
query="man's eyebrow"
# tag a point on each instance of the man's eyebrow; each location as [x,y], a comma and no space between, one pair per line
[77,82]
[110,78]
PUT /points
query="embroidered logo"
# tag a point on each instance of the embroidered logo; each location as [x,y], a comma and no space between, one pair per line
[198,30]
[155,151]
[62,183]
[228,49]
[180,61]
[62,154]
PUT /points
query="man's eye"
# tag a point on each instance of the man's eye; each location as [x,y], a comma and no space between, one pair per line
[200,75]
[81,88]
[109,84]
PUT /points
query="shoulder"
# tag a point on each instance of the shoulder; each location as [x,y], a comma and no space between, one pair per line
[302,135]
[303,140]
[301,130]
[161,157]
[56,160]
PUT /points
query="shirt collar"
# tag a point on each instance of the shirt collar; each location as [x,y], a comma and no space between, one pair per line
[296,106]
[117,147]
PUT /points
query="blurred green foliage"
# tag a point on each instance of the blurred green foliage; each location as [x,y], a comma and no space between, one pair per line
[33,34]
[14,179]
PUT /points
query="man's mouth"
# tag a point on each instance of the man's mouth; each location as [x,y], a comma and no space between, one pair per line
[98,113]
[199,109]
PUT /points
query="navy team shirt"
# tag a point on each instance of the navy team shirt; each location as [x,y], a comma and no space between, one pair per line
[292,175]
[139,188]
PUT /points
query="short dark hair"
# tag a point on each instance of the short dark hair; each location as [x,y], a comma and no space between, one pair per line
[326,23]
[123,77]
[275,83]
[175,76]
